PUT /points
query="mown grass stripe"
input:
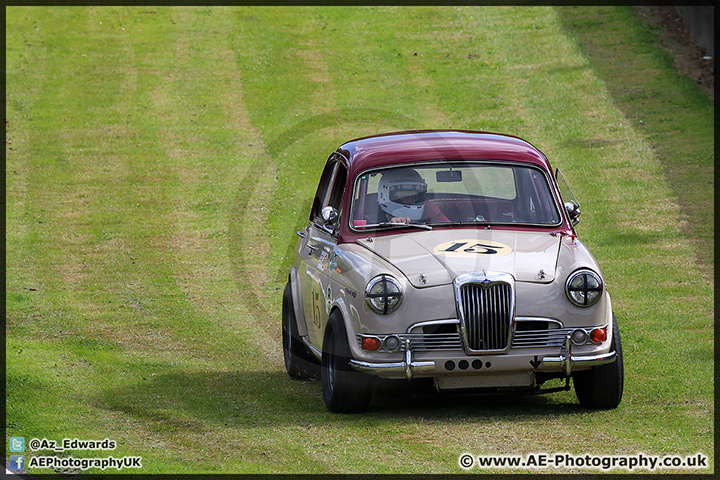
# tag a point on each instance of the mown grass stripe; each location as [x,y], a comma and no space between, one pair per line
[209,154]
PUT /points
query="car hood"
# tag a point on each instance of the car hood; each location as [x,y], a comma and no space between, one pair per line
[431,258]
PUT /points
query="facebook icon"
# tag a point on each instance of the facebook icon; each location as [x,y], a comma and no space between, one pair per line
[17,462]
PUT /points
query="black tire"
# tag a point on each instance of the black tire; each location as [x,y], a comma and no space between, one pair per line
[344,389]
[602,387]
[299,363]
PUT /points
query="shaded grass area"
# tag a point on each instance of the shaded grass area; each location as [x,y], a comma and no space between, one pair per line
[667,108]
[159,161]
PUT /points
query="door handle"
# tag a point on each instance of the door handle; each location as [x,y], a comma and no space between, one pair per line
[312,247]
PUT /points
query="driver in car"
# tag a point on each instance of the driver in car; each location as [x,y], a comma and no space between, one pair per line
[401,195]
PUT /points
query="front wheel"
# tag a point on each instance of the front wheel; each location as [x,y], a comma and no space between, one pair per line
[602,387]
[344,389]
[299,363]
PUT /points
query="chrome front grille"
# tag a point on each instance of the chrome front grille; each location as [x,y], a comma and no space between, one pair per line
[540,338]
[438,341]
[426,342]
[453,341]
[421,342]
[486,305]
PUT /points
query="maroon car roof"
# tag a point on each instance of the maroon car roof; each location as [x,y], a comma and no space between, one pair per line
[428,145]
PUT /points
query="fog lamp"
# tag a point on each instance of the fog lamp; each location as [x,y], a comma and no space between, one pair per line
[579,336]
[392,343]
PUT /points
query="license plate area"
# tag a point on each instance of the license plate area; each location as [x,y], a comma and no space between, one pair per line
[459,382]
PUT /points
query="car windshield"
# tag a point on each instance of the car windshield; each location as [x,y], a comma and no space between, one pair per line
[447,193]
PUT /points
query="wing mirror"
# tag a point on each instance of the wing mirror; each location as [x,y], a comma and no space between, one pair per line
[329,215]
[573,211]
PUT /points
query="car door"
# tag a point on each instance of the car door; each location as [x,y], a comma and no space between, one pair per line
[318,248]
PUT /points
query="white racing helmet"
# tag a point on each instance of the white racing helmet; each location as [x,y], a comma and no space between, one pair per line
[401,193]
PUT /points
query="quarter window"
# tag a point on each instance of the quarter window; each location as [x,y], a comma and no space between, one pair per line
[331,187]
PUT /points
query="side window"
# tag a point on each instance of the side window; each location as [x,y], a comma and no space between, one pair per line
[321,194]
[338,187]
[331,188]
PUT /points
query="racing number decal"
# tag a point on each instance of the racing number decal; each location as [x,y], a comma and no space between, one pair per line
[316,308]
[321,299]
[478,248]
[471,247]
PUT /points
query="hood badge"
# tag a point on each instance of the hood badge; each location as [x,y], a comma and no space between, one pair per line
[422,279]
[542,274]
[485,283]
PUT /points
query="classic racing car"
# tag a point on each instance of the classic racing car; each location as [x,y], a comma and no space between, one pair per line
[449,256]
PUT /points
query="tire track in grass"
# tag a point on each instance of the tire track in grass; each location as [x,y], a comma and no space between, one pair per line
[71,238]
[259,203]
[203,130]
[100,316]
[208,165]
[26,65]
[255,205]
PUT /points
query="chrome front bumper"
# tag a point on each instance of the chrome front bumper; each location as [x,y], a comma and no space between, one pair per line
[565,360]
[408,365]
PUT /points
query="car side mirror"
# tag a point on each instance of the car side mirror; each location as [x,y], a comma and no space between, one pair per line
[329,215]
[573,211]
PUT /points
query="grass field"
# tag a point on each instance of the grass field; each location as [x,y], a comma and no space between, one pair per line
[160,159]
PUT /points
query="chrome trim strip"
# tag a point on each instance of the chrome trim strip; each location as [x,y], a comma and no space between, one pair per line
[453,321]
[311,347]
[539,319]
[540,338]
[424,342]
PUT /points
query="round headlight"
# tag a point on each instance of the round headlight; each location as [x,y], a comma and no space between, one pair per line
[383,294]
[584,288]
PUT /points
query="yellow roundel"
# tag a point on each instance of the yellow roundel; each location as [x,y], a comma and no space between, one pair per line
[470,247]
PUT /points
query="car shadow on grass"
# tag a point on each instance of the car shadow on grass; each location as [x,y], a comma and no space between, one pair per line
[252,399]
[423,400]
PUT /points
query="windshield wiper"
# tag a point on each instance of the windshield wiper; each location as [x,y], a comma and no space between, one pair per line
[389,224]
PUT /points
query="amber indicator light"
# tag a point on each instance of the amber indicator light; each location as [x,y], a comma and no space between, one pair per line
[598,335]
[370,343]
